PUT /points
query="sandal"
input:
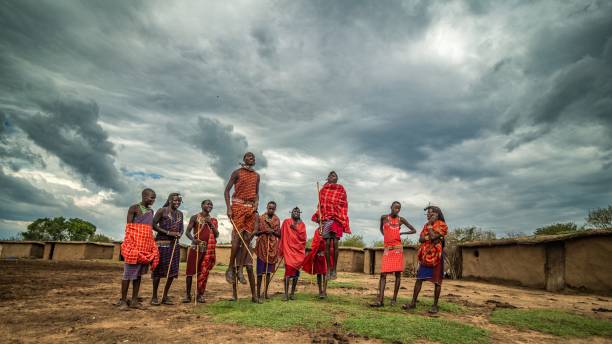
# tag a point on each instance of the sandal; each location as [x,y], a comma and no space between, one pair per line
[408,306]
[167,301]
[201,299]
[155,302]
[377,304]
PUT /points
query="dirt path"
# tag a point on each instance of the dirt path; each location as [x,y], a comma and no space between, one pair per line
[43,301]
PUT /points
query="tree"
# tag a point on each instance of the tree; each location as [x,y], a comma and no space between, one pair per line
[557,228]
[464,234]
[600,218]
[46,230]
[352,240]
[99,238]
[79,230]
[58,229]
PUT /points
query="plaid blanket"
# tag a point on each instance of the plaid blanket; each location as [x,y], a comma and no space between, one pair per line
[138,247]
[207,264]
[430,253]
[334,205]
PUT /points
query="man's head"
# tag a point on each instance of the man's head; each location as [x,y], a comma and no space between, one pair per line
[434,213]
[148,197]
[271,208]
[395,208]
[332,177]
[295,213]
[174,201]
[207,206]
[249,159]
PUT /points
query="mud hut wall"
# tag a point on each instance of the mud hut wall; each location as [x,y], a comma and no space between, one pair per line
[523,264]
[20,249]
[410,260]
[368,261]
[587,263]
[183,250]
[350,259]
[98,251]
[223,254]
[68,251]
[117,251]
[48,251]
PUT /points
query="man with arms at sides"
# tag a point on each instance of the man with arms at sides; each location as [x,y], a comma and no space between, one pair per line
[293,249]
[138,248]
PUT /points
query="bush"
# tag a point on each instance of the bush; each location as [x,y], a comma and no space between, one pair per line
[352,240]
[557,228]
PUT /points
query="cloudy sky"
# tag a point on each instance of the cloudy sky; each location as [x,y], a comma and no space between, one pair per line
[498,111]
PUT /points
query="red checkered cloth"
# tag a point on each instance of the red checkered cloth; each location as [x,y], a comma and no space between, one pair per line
[334,205]
[138,247]
[430,253]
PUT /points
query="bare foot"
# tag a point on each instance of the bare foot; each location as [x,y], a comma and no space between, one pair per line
[229,276]
[434,309]
[241,277]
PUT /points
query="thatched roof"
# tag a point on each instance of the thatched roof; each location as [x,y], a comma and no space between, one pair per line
[538,239]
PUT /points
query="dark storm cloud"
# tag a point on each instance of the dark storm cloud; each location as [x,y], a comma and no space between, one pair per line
[69,129]
[19,200]
[223,145]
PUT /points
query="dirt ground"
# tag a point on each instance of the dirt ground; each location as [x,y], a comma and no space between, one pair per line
[69,302]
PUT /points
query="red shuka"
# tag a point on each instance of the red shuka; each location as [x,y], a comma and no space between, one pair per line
[293,243]
[139,247]
[315,263]
[334,205]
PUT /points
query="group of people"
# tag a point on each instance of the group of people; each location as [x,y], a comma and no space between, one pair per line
[275,242]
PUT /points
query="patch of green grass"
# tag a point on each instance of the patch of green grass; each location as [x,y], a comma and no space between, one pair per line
[308,312]
[556,322]
[407,329]
[275,314]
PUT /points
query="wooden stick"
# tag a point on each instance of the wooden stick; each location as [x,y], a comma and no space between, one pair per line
[319,208]
[267,262]
[278,266]
[171,257]
[240,235]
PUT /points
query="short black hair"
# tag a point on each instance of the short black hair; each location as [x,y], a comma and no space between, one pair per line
[397,203]
[206,200]
[147,190]
[247,153]
[272,202]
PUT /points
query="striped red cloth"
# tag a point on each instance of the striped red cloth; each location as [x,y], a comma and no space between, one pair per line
[208,263]
[334,205]
[138,247]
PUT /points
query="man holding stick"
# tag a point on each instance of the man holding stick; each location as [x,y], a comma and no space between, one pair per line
[268,233]
[168,223]
[332,215]
[242,212]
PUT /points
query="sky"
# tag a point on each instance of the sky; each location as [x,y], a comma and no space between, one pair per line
[499,112]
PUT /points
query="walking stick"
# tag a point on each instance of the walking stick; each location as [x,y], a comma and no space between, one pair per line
[267,262]
[319,208]
[240,236]
[171,258]
[279,264]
